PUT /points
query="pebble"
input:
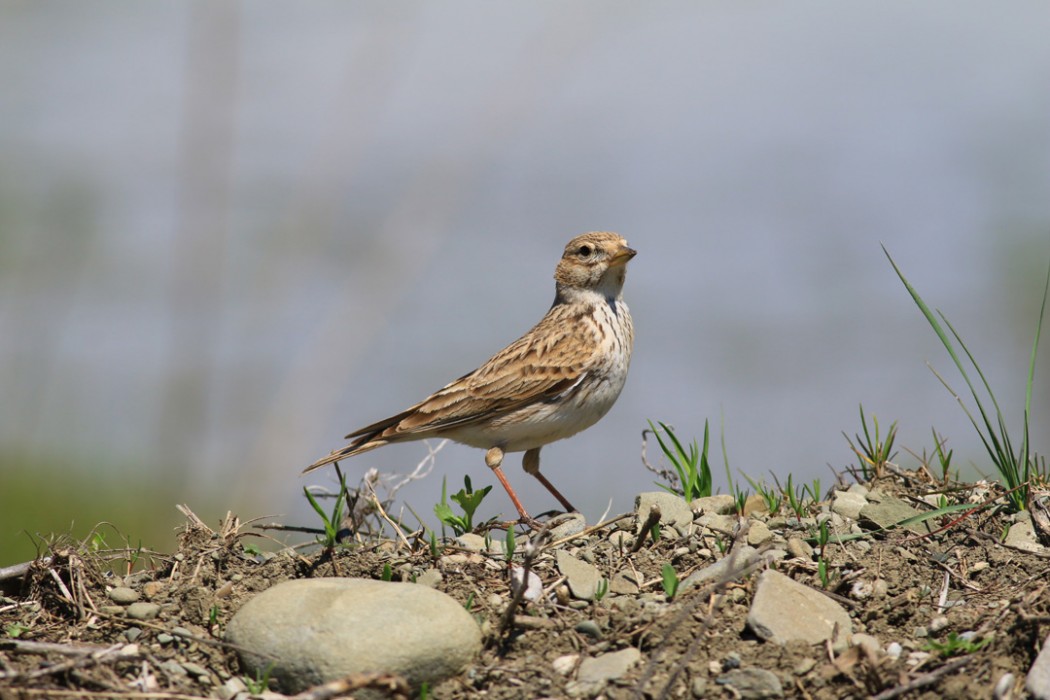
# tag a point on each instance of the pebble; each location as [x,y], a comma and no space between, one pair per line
[752,683]
[132,633]
[323,629]
[623,583]
[783,610]
[1004,687]
[866,642]
[566,525]
[429,578]
[143,611]
[739,559]
[721,504]
[564,665]
[1021,536]
[194,669]
[848,504]
[798,548]
[673,508]
[582,577]
[533,586]
[123,595]
[894,650]
[888,512]
[758,533]
[589,628]
[938,623]
[607,667]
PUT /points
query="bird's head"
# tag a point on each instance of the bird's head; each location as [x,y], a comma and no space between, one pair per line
[594,261]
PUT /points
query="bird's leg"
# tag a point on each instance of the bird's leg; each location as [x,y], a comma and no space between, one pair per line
[531,464]
[494,459]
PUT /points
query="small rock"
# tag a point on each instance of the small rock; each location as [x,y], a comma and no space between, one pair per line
[429,578]
[880,588]
[783,610]
[717,523]
[848,504]
[582,577]
[232,687]
[673,508]
[323,629]
[589,628]
[752,683]
[534,586]
[894,650]
[194,669]
[698,687]
[758,533]
[866,642]
[623,583]
[798,548]
[165,638]
[564,665]
[143,611]
[123,595]
[920,633]
[607,667]
[1004,687]
[473,542]
[566,525]
[721,504]
[621,539]
[804,666]
[738,560]
[1038,679]
[755,504]
[1021,536]
[888,512]
[938,623]
[132,633]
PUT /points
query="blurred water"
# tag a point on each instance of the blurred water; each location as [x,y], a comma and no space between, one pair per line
[231,233]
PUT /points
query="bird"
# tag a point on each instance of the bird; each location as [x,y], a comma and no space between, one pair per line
[556,380]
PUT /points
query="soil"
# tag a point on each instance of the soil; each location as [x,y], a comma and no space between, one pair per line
[61,635]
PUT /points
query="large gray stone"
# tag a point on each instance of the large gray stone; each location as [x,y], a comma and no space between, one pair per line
[583,578]
[319,630]
[1038,679]
[784,610]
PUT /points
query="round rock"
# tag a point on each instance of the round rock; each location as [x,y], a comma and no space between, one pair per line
[319,630]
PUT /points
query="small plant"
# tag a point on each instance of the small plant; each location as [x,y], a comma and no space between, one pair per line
[770,497]
[213,616]
[813,489]
[469,605]
[944,459]
[388,573]
[332,523]
[15,630]
[251,549]
[435,548]
[670,581]
[740,500]
[874,454]
[822,573]
[691,466]
[601,589]
[468,499]
[956,644]
[261,683]
[1014,466]
[510,545]
[795,497]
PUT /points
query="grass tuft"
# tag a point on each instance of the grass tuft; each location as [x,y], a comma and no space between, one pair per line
[1015,466]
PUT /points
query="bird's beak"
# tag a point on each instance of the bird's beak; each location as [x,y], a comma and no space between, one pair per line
[621,256]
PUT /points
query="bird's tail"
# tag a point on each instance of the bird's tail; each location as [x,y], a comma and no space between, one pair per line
[350,450]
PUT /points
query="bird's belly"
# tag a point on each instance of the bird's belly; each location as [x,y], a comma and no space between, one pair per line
[545,422]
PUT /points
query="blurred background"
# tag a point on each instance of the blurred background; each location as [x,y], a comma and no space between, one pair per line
[232,232]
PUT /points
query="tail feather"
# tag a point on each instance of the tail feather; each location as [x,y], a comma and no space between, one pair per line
[356,448]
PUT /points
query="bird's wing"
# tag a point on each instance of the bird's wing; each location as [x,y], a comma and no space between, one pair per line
[547,361]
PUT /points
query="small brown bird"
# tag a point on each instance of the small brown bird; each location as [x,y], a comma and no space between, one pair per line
[556,380]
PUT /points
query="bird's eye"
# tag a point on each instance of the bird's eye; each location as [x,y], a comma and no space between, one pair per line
[585,251]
